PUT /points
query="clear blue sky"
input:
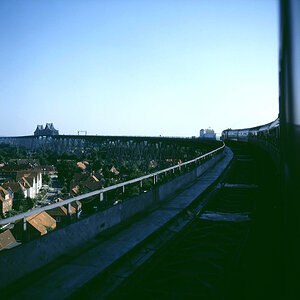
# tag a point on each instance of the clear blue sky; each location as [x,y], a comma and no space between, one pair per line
[137,67]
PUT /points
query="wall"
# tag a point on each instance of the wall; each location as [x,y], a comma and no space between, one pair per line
[39,252]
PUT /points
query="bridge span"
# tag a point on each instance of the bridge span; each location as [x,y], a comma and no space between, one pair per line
[37,254]
[197,241]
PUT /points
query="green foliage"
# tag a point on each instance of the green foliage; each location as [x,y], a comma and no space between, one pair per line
[66,170]
[46,179]
[10,213]
[30,203]
[48,228]
[38,197]
[64,190]
[97,165]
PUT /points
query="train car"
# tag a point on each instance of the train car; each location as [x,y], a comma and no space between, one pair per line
[243,135]
[224,135]
[229,134]
[289,142]
[261,135]
[265,136]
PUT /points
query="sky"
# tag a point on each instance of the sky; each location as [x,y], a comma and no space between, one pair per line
[131,67]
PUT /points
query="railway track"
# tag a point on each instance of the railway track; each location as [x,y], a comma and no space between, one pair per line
[218,249]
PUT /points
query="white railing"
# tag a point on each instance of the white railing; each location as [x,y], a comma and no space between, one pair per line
[110,188]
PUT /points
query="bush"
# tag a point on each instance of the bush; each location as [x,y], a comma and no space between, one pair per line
[30,202]
[48,228]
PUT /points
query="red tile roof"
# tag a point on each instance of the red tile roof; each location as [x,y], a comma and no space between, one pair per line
[15,187]
[60,211]
[40,221]
[7,240]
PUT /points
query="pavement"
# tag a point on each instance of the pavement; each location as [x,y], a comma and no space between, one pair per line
[80,268]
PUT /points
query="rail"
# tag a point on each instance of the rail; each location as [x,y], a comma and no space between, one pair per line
[106,189]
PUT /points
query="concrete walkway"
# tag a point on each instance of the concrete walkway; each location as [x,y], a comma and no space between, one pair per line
[79,269]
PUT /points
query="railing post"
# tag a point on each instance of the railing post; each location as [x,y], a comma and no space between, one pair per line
[69,211]
[24,233]
[101,197]
[141,185]
[123,192]
[24,224]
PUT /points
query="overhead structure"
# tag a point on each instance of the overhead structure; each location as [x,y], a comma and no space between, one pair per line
[48,130]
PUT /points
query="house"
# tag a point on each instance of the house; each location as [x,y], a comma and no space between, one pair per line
[36,226]
[75,191]
[114,170]
[29,189]
[82,165]
[7,240]
[29,163]
[60,214]
[48,170]
[16,189]
[92,183]
[93,186]
[31,180]
[5,201]
[76,204]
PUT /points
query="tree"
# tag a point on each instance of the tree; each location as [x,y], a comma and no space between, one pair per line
[46,179]
[10,213]
[66,170]
[30,202]
[97,165]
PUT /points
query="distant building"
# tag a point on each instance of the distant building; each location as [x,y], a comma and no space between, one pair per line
[48,130]
[48,170]
[207,134]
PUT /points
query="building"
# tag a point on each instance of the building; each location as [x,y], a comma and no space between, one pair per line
[36,226]
[48,130]
[31,181]
[15,189]
[48,170]
[5,201]
[7,240]
[8,175]
[60,214]
[207,134]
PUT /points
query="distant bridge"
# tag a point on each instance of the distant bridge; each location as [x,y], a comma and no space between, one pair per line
[119,147]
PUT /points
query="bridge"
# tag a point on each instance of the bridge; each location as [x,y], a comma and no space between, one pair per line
[90,256]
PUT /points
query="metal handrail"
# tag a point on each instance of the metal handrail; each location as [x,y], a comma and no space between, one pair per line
[101,191]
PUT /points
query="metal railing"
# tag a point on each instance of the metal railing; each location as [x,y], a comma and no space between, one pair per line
[106,189]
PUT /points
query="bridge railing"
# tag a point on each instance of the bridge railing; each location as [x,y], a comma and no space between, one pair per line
[101,192]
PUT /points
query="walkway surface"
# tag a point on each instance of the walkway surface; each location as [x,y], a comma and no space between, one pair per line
[78,267]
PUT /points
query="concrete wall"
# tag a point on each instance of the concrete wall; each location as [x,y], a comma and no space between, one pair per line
[168,189]
[26,258]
